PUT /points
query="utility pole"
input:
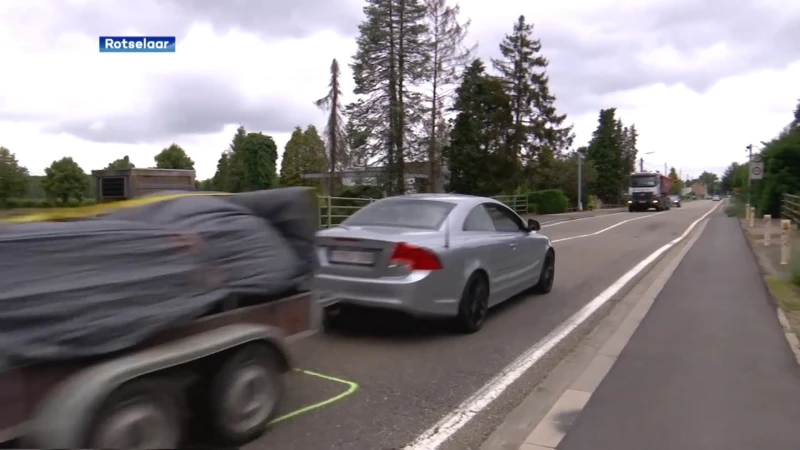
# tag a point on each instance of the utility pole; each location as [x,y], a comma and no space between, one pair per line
[666,173]
[749,160]
[580,182]
[641,164]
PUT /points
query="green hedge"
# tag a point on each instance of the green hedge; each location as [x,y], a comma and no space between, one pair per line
[550,201]
[31,203]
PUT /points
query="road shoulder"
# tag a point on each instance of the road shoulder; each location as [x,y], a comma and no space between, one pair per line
[707,368]
[586,365]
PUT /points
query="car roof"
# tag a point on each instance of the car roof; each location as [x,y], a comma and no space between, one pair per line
[460,199]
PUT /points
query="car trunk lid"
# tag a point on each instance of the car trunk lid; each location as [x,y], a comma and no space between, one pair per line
[365,251]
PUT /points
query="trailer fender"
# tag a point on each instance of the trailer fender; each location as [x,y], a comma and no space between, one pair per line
[63,417]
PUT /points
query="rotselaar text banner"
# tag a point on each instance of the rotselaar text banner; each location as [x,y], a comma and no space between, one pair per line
[137,44]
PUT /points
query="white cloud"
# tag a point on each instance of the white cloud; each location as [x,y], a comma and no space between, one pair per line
[66,79]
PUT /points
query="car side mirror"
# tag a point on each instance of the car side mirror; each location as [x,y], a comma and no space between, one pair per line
[533,225]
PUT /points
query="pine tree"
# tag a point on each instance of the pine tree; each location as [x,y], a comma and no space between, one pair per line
[228,177]
[520,57]
[335,134]
[390,60]
[479,158]
[550,134]
[605,157]
[448,58]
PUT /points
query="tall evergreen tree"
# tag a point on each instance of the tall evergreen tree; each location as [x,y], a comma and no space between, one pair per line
[228,177]
[796,120]
[257,155]
[539,133]
[606,158]
[520,58]
[479,158]
[335,133]
[448,57]
[390,60]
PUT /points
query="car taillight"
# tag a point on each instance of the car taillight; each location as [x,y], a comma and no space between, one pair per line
[417,258]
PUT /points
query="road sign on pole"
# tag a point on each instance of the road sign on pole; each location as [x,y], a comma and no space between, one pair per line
[756,170]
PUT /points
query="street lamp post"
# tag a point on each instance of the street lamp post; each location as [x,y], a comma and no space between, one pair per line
[580,182]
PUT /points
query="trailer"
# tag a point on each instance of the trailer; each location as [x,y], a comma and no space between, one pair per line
[649,190]
[222,372]
[216,377]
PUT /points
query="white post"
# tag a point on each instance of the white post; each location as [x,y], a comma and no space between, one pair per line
[752,216]
[786,226]
[747,211]
[767,225]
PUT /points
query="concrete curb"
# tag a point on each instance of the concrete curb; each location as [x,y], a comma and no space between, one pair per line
[767,268]
[554,426]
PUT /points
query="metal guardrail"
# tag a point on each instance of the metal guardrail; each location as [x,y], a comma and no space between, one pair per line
[518,203]
[333,210]
[790,208]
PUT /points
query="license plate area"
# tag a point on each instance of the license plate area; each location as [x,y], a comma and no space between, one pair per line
[352,257]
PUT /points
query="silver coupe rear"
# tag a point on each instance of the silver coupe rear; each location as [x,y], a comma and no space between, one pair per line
[439,255]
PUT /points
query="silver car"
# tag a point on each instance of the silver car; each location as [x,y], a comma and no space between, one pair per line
[439,255]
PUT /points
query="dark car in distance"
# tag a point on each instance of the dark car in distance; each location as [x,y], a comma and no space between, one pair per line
[675,200]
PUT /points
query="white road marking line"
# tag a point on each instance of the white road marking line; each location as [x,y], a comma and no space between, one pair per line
[605,229]
[559,222]
[440,432]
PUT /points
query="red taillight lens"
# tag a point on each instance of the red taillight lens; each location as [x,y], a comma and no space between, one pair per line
[417,258]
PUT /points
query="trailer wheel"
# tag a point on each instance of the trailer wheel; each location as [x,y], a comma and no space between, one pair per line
[245,394]
[140,414]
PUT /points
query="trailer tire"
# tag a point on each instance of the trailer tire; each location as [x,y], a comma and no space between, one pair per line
[140,414]
[245,394]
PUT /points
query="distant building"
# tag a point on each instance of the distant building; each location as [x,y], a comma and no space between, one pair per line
[122,184]
[416,177]
[699,190]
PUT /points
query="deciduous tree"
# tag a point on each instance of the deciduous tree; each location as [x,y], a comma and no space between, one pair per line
[13,177]
[174,157]
[119,164]
[65,180]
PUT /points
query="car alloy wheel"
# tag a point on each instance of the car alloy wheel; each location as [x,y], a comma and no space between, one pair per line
[474,305]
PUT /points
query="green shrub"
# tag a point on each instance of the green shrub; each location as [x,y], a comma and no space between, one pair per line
[549,201]
[591,205]
[38,203]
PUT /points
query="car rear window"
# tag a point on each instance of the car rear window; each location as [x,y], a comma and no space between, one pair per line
[423,214]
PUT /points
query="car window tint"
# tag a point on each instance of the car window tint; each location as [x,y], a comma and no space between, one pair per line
[503,219]
[479,220]
[424,214]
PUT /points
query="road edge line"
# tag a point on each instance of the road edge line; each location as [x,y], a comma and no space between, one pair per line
[549,432]
[446,427]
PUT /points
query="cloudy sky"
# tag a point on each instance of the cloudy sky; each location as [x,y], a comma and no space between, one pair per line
[700,78]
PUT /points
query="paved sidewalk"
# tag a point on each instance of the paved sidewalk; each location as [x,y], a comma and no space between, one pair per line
[708,368]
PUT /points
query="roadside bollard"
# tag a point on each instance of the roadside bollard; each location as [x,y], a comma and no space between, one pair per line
[767,225]
[786,227]
[747,211]
[752,216]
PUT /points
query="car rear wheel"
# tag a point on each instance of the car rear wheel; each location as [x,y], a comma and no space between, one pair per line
[474,305]
[548,275]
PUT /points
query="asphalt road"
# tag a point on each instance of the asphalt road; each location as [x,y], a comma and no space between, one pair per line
[708,367]
[410,374]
